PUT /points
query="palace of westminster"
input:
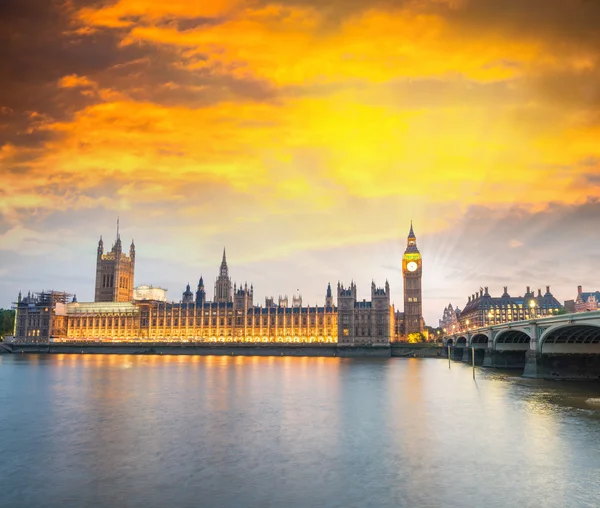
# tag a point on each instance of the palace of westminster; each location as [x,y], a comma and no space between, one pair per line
[121,312]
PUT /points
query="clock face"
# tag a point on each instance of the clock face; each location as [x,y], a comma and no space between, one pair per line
[411,266]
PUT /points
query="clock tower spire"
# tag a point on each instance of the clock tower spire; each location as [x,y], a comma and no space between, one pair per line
[412,271]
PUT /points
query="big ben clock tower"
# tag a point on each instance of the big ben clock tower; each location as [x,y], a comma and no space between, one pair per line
[412,271]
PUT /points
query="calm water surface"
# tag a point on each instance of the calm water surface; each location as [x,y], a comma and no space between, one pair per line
[148,431]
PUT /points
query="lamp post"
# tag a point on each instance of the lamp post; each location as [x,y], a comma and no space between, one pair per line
[532,307]
[490,315]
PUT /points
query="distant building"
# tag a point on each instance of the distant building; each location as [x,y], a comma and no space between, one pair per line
[150,293]
[569,306]
[587,301]
[114,272]
[450,318]
[399,330]
[483,310]
[41,316]
[149,317]
[366,322]
[412,272]
[121,312]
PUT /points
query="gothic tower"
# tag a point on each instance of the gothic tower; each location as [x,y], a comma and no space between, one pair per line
[346,300]
[223,284]
[188,296]
[114,272]
[200,293]
[328,296]
[412,272]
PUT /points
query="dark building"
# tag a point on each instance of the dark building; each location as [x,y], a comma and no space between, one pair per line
[40,316]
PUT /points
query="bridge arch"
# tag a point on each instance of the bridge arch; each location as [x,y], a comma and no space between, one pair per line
[512,340]
[479,340]
[461,341]
[571,338]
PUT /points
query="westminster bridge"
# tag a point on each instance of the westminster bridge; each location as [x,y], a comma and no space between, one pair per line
[555,347]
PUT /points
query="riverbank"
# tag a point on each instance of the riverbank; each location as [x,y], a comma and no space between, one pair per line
[324,350]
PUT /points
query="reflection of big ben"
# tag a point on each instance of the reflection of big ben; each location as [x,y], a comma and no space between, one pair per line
[412,271]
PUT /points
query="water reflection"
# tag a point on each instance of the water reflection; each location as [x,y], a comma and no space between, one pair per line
[228,431]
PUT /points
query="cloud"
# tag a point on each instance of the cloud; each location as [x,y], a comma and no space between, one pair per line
[304,134]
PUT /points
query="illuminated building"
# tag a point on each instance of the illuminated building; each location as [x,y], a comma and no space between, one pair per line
[587,301]
[114,272]
[122,313]
[412,272]
[234,318]
[484,310]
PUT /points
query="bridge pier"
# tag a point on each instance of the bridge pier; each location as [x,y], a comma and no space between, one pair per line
[504,359]
[562,366]
[456,353]
[466,356]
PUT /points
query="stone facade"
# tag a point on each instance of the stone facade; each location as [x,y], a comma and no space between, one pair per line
[232,316]
[114,273]
[412,272]
[362,323]
[41,316]
[450,319]
[223,284]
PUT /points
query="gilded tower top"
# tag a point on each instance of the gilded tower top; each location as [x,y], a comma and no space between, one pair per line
[411,241]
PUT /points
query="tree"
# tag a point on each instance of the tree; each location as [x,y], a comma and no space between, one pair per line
[7,322]
[415,337]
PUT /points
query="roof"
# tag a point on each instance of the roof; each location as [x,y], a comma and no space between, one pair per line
[546,301]
[586,295]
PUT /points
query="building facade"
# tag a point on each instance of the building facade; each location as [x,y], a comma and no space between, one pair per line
[120,313]
[412,273]
[482,309]
[362,323]
[114,272]
[586,301]
[41,316]
[450,318]
[234,318]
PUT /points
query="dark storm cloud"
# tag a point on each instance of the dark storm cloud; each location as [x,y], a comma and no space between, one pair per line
[185,24]
[158,80]
[42,45]
[557,21]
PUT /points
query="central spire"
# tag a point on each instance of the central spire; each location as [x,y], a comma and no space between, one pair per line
[223,283]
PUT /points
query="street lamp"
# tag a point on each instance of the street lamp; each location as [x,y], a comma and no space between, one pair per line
[490,315]
[532,306]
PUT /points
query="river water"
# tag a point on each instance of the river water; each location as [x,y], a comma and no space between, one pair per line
[189,431]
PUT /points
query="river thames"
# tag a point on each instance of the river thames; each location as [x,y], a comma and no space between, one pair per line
[181,431]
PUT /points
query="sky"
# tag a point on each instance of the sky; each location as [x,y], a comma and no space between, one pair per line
[303,135]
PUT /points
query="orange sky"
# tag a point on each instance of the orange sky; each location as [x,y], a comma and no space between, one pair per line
[304,135]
